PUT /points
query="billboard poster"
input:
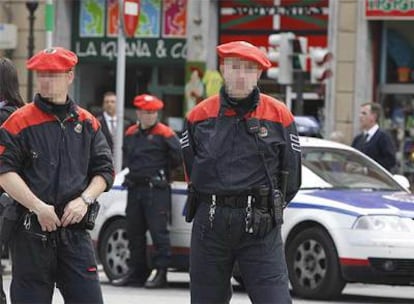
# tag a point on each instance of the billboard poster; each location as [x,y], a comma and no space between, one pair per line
[149,19]
[112,18]
[174,18]
[92,18]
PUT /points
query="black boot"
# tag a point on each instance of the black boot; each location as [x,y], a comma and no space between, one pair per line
[159,280]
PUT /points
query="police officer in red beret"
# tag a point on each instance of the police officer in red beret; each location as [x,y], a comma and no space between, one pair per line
[151,151]
[55,162]
[242,161]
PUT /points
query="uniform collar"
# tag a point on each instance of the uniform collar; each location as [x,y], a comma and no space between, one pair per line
[46,106]
[241,106]
[147,130]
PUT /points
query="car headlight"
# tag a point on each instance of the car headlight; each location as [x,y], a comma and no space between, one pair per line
[386,223]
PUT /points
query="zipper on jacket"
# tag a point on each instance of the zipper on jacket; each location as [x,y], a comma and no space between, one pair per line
[234,146]
[61,144]
[62,122]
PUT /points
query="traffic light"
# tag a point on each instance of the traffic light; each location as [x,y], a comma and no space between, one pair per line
[290,54]
[320,57]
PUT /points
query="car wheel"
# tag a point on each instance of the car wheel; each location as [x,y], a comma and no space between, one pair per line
[113,250]
[313,265]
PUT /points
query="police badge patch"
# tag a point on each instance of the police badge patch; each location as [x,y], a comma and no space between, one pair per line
[263,132]
[78,128]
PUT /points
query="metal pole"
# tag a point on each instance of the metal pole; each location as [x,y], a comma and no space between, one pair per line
[299,93]
[120,93]
[330,88]
[31,6]
[49,23]
[288,97]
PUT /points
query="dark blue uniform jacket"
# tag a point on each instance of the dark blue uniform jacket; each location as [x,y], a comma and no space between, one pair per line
[221,156]
[148,151]
[57,159]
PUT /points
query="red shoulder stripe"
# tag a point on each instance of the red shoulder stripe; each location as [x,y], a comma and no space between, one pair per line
[206,109]
[131,130]
[85,115]
[162,130]
[274,110]
[27,116]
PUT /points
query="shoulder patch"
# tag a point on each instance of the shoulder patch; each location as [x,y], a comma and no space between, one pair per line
[274,110]
[131,130]
[206,109]
[85,115]
[27,116]
[162,130]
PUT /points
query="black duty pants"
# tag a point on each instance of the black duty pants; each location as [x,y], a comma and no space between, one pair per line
[148,209]
[41,259]
[214,251]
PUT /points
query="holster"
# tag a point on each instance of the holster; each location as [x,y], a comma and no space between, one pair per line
[191,204]
[158,182]
[91,215]
[262,221]
[87,222]
[277,206]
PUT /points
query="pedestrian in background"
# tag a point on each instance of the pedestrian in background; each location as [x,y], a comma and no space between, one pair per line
[374,141]
[108,118]
[151,152]
[54,161]
[10,101]
[241,151]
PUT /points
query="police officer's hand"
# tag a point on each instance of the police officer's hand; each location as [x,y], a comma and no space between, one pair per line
[47,217]
[74,212]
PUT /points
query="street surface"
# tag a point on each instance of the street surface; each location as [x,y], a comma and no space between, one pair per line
[178,293]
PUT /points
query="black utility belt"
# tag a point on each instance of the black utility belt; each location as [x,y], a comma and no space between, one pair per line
[141,183]
[232,201]
[147,182]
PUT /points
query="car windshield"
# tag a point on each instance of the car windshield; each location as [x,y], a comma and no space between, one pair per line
[343,169]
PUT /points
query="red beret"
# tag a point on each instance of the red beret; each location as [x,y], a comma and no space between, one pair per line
[148,102]
[245,50]
[54,59]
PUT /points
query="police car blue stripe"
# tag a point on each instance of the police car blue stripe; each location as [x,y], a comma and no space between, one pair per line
[321,207]
[179,191]
[118,188]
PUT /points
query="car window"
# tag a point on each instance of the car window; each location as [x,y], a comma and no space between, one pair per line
[345,169]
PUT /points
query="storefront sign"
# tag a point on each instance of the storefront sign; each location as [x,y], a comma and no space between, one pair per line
[254,21]
[160,35]
[389,9]
[136,49]
[277,10]
[259,15]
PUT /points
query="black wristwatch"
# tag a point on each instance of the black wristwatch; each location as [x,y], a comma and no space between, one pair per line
[88,199]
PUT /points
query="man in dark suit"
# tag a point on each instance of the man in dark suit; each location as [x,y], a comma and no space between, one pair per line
[108,118]
[373,141]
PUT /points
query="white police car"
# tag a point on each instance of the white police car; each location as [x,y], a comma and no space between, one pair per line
[350,222]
